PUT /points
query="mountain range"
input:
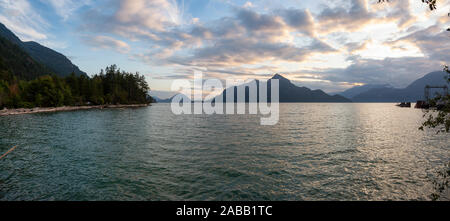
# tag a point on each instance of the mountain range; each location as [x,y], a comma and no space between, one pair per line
[354,91]
[386,93]
[49,60]
[366,93]
[289,93]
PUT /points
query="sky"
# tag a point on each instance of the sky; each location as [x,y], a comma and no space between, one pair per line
[331,45]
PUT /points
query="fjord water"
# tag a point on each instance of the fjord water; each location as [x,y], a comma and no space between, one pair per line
[315,152]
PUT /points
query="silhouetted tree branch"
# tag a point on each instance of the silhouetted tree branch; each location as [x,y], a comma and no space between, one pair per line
[431,3]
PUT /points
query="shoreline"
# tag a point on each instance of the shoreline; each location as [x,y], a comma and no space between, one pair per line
[20,111]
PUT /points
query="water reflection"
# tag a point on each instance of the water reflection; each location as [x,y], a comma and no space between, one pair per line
[316,152]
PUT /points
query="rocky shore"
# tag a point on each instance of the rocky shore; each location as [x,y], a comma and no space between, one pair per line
[6,112]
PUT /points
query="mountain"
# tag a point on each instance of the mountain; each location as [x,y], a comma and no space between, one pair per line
[156,99]
[53,60]
[8,35]
[169,100]
[412,93]
[289,93]
[16,62]
[354,91]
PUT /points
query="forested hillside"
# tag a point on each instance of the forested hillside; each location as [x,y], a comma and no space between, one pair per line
[51,59]
[16,62]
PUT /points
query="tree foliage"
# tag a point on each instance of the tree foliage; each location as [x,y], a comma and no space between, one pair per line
[110,86]
[441,183]
[438,119]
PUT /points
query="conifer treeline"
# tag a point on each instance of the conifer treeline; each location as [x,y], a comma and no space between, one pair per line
[110,86]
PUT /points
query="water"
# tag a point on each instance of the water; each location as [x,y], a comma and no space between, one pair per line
[316,152]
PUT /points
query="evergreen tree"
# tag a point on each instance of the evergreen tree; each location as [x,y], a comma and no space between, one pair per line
[111,86]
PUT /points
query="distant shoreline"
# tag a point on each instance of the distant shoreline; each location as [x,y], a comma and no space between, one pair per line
[20,111]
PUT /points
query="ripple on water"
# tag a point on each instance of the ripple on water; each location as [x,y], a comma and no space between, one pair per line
[316,152]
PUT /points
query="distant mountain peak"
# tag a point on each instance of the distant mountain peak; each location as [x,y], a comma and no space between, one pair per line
[354,91]
[279,77]
[412,93]
[283,81]
[288,93]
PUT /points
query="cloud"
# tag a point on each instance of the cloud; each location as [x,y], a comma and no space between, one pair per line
[106,42]
[23,20]
[134,19]
[145,21]
[275,26]
[300,20]
[398,72]
[432,41]
[344,18]
[357,46]
[400,10]
[245,38]
[229,52]
[248,5]
[154,14]
[255,22]
[66,8]
[354,15]
[249,41]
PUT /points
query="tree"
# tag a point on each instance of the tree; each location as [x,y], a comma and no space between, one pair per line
[3,92]
[441,182]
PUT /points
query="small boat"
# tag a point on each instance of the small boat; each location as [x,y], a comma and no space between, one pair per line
[404,104]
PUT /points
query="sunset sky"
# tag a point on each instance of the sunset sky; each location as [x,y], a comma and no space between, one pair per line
[329,45]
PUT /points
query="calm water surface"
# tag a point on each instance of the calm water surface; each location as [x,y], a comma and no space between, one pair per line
[316,152]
